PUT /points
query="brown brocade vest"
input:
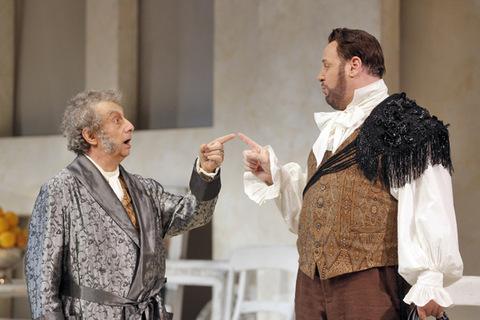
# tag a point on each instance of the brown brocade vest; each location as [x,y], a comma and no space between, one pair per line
[347,223]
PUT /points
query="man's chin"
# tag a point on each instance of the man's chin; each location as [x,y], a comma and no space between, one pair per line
[329,102]
[125,152]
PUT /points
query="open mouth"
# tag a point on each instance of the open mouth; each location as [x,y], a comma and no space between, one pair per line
[127,142]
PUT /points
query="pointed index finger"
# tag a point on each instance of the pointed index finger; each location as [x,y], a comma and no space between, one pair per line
[252,144]
[226,138]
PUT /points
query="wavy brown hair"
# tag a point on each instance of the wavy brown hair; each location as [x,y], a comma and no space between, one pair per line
[359,43]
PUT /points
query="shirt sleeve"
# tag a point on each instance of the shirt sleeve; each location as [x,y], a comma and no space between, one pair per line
[287,188]
[428,253]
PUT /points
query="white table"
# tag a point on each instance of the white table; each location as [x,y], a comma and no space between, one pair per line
[179,272]
[203,273]
[17,288]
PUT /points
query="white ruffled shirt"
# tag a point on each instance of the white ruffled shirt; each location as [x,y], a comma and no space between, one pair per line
[428,254]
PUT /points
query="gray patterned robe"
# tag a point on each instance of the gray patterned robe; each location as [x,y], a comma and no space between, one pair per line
[86,260]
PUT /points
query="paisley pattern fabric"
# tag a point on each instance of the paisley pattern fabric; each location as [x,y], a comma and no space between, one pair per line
[80,233]
[127,203]
[347,223]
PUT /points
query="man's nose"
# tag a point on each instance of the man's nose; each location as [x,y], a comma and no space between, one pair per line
[129,127]
[321,77]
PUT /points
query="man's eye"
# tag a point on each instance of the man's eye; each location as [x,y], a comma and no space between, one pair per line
[116,121]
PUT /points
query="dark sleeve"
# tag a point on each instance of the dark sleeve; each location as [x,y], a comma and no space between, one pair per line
[180,214]
[202,189]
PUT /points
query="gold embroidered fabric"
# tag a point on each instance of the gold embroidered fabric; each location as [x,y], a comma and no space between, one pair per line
[127,203]
[347,223]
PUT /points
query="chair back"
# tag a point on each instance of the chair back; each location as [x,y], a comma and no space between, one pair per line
[248,260]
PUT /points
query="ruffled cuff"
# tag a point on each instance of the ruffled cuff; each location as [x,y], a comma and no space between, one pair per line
[204,174]
[429,286]
[256,189]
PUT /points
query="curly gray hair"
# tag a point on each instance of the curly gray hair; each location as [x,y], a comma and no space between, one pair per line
[81,114]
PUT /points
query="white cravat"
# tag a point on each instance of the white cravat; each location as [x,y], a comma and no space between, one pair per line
[337,126]
[112,179]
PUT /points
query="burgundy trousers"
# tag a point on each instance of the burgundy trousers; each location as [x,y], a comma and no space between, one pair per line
[371,294]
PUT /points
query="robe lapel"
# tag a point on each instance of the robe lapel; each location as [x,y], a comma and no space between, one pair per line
[147,223]
[86,172]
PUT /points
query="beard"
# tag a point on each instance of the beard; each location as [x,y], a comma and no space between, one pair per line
[337,94]
[108,143]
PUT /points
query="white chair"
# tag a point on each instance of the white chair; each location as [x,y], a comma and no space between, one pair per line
[177,249]
[210,273]
[466,291]
[253,259]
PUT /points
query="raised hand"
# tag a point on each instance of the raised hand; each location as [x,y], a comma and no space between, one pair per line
[256,160]
[211,155]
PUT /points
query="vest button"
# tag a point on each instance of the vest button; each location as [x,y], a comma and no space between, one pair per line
[323,188]
[317,245]
[320,205]
[319,225]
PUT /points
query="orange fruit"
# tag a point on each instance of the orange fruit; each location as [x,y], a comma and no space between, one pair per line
[16,230]
[21,241]
[7,239]
[24,233]
[11,218]
[4,224]
[1,212]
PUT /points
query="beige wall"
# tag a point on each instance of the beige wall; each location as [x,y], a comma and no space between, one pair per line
[50,62]
[267,59]
[440,68]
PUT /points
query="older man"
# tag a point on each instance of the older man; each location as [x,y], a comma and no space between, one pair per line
[377,194]
[95,248]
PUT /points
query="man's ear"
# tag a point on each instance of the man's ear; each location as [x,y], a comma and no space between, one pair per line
[355,66]
[90,137]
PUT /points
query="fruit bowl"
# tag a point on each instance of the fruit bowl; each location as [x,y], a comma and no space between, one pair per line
[13,241]
[10,257]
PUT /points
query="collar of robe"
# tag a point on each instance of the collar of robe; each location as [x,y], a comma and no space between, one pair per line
[145,238]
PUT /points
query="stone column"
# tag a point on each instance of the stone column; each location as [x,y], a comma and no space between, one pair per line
[112,50]
[7,66]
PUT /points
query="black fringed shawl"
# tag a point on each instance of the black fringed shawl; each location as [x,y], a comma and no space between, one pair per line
[395,145]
